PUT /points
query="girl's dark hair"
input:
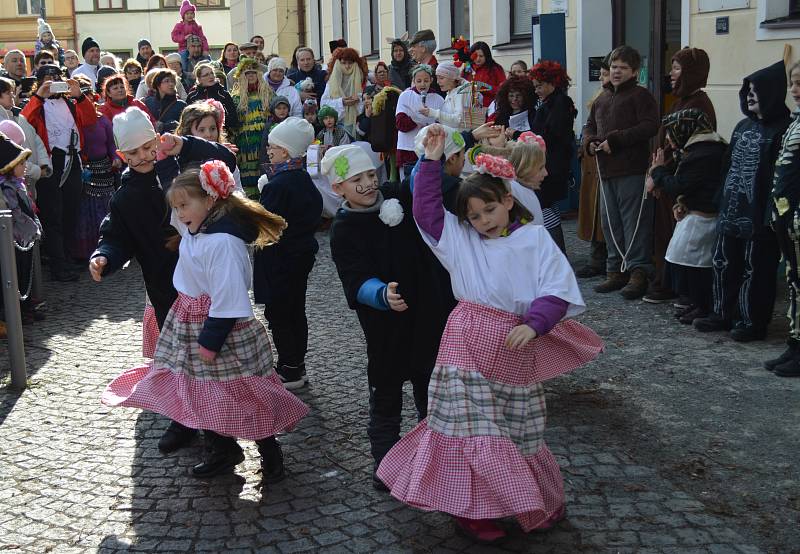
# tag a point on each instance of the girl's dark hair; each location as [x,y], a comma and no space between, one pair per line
[250,215]
[222,52]
[116,80]
[487,53]
[489,189]
[7,85]
[154,59]
[517,84]
[43,54]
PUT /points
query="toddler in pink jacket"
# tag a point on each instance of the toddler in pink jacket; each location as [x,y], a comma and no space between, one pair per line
[188,26]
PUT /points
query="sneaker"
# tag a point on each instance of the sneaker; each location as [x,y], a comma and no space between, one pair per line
[789,368]
[291,377]
[637,285]
[682,303]
[485,531]
[589,270]
[614,281]
[747,334]
[792,351]
[659,296]
[711,323]
[690,315]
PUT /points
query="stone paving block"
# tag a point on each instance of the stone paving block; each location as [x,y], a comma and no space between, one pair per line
[330,537]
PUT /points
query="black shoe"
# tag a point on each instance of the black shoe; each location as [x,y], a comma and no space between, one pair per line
[711,323]
[176,436]
[747,334]
[690,315]
[790,368]
[680,312]
[659,296]
[292,376]
[221,456]
[272,468]
[792,351]
[377,484]
[64,275]
[589,270]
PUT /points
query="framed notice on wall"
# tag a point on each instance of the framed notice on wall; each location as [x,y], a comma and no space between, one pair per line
[719,5]
[559,6]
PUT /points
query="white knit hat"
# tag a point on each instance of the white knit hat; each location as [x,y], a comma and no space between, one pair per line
[449,70]
[295,134]
[173,57]
[342,162]
[277,63]
[132,128]
[44,27]
[453,141]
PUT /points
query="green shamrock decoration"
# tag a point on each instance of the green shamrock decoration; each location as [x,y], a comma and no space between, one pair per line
[341,166]
[458,139]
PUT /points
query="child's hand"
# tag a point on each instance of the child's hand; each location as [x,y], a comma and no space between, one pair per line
[485,131]
[499,140]
[206,354]
[396,302]
[658,158]
[169,145]
[434,142]
[519,337]
[649,184]
[96,266]
[232,147]
[426,111]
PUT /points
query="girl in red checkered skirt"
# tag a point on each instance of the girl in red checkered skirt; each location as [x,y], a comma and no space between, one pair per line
[480,454]
[213,367]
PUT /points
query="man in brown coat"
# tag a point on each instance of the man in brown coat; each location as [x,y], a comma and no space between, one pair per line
[621,122]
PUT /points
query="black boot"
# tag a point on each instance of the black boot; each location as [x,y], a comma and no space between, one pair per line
[790,368]
[792,351]
[377,484]
[222,454]
[176,436]
[272,469]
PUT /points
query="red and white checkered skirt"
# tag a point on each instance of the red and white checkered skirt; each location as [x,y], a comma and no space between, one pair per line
[238,394]
[149,329]
[480,453]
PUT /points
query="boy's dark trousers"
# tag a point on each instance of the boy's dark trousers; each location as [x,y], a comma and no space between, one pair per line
[286,313]
[744,279]
[386,410]
[59,205]
[787,231]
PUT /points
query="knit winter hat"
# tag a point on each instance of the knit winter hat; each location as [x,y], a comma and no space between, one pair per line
[279,99]
[44,27]
[453,141]
[173,57]
[449,70]
[132,128]
[143,42]
[277,63]
[193,39]
[187,6]
[88,42]
[103,74]
[421,67]
[327,111]
[295,134]
[13,131]
[11,154]
[342,162]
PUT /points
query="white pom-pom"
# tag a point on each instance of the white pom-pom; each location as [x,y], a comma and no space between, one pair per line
[262,182]
[391,212]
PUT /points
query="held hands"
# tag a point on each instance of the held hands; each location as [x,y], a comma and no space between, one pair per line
[519,337]
[485,131]
[206,354]
[169,145]
[434,142]
[96,267]
[499,140]
[396,302]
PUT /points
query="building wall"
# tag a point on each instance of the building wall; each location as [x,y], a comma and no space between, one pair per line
[120,31]
[20,31]
[737,54]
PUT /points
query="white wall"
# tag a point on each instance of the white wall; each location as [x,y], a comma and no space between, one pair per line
[594,39]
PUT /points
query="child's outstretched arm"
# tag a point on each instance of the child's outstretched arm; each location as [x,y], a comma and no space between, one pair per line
[427,206]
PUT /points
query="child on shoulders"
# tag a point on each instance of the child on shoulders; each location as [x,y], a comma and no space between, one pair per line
[186,27]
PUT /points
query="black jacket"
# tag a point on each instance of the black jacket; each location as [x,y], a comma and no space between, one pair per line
[138,222]
[292,195]
[553,120]
[399,344]
[749,163]
[317,75]
[697,176]
[166,111]
[217,92]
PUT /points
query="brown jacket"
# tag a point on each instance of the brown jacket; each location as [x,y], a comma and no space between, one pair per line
[627,117]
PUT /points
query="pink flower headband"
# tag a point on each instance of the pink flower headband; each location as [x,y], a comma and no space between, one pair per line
[494,166]
[529,137]
[216,179]
[220,109]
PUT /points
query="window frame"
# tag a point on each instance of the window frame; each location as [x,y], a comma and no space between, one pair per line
[374,38]
[406,16]
[518,37]
[467,14]
[97,7]
[30,12]
[197,3]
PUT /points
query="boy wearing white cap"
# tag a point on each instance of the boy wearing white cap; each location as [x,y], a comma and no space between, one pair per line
[280,272]
[138,222]
[390,280]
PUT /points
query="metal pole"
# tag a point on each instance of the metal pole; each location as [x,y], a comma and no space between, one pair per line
[8,270]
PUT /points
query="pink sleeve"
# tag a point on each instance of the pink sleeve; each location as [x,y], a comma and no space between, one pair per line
[203,38]
[179,34]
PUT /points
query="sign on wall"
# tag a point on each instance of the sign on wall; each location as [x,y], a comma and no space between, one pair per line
[559,6]
[719,5]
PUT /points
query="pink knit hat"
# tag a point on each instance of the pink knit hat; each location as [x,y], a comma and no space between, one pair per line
[187,6]
[13,131]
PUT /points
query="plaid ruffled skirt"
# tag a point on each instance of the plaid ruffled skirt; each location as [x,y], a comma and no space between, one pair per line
[238,394]
[480,453]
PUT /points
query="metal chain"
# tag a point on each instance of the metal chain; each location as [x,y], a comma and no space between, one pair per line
[24,297]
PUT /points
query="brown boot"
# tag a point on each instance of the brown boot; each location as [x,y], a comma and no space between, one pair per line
[614,281]
[637,286]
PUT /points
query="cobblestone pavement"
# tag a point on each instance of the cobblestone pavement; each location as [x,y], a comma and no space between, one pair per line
[667,442]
